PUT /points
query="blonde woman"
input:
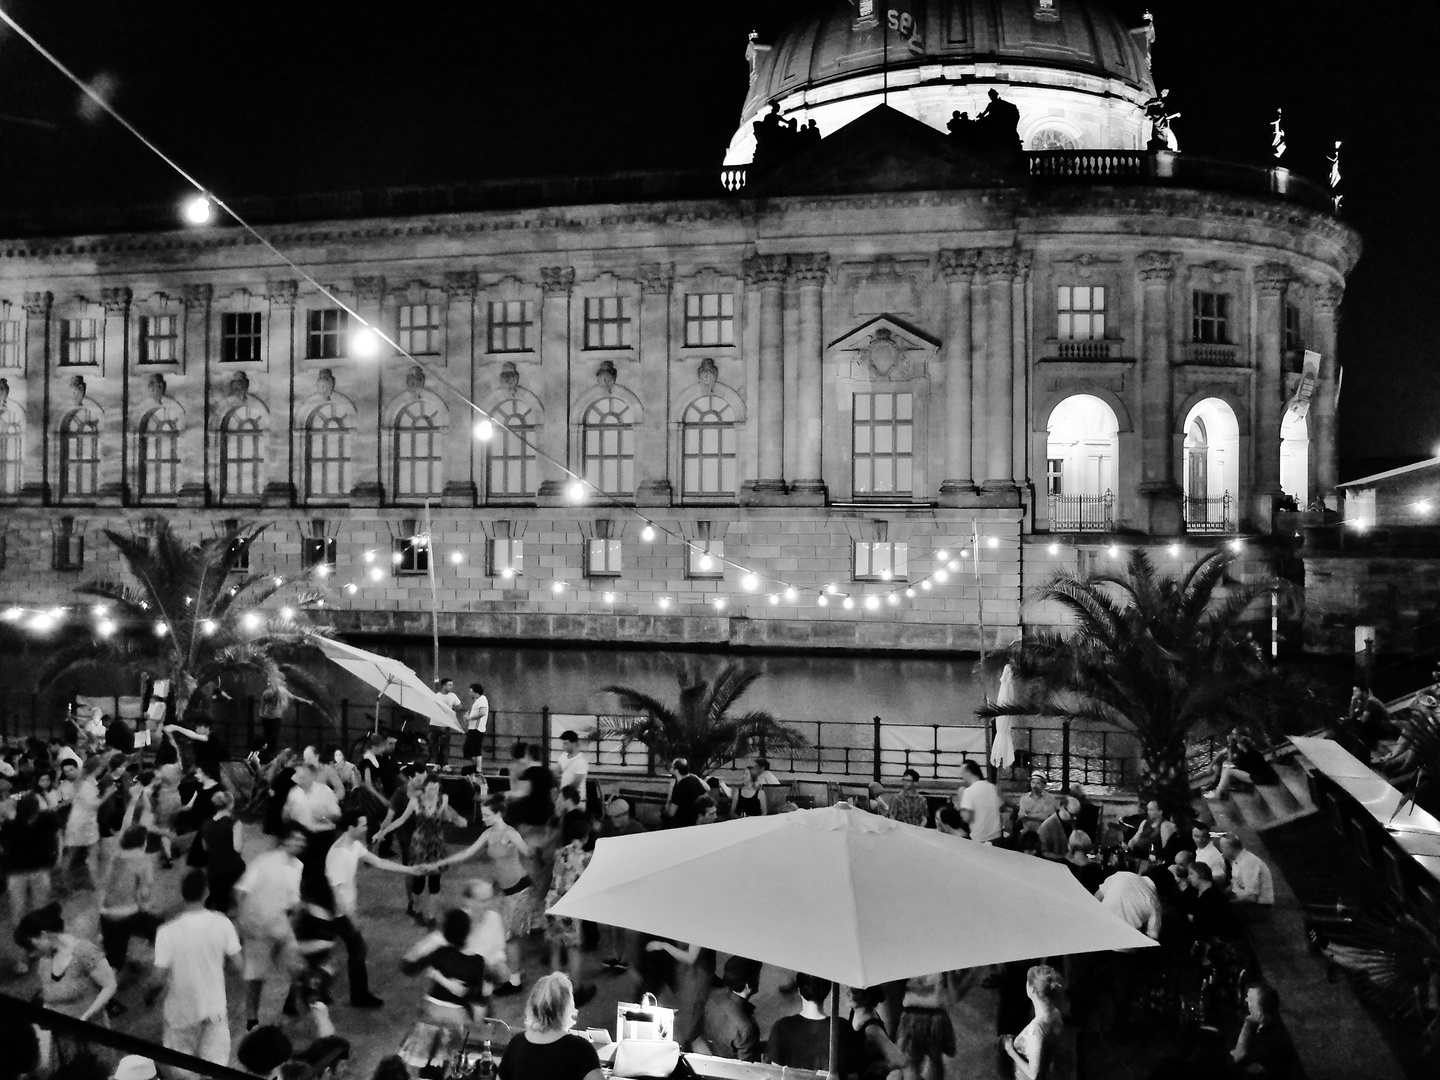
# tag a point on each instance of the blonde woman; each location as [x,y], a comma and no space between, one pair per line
[1033,1050]
[547,1047]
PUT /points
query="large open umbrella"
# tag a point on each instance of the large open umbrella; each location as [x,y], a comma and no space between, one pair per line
[392,679]
[844,895]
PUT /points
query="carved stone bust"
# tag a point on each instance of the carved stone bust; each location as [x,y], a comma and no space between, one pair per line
[155,387]
[78,389]
[239,386]
[510,378]
[325,383]
[415,380]
[605,375]
[707,373]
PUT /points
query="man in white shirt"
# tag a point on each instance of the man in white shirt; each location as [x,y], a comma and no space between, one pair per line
[979,804]
[574,768]
[1134,899]
[1252,887]
[477,718]
[268,895]
[190,954]
[440,736]
[1208,853]
[312,806]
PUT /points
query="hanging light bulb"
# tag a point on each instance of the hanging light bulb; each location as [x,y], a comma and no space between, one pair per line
[925,585]
[830,588]
[848,603]
[953,565]
[749,582]
[872,602]
[42,622]
[161,629]
[576,491]
[13,614]
[892,599]
[251,621]
[823,601]
[507,573]
[1174,550]
[57,613]
[648,533]
[352,588]
[287,613]
[1054,549]
[369,556]
[910,593]
[664,603]
[719,603]
[376,574]
[396,558]
[208,626]
[1236,545]
[278,583]
[964,553]
[198,210]
[942,555]
[790,593]
[1114,550]
[456,558]
[105,628]
[942,576]
[608,597]
[558,587]
[706,562]
[886,575]
[323,570]
[484,430]
[100,611]
[994,541]
[773,599]
[364,343]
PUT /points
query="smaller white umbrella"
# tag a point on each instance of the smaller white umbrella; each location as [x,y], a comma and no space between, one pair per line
[392,678]
[1002,750]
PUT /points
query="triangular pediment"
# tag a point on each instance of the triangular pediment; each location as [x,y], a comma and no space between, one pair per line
[886,348]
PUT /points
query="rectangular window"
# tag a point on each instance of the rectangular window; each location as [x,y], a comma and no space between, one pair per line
[1080,312]
[69,550]
[318,553]
[882,450]
[325,333]
[507,557]
[410,552]
[419,329]
[706,555]
[603,559]
[607,322]
[1293,340]
[159,339]
[77,342]
[239,549]
[881,560]
[1054,476]
[512,325]
[709,319]
[240,337]
[1210,318]
[9,343]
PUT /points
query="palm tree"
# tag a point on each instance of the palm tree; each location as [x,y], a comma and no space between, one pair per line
[187,620]
[702,728]
[1160,657]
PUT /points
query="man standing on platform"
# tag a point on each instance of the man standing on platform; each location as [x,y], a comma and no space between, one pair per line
[574,767]
[440,736]
[477,718]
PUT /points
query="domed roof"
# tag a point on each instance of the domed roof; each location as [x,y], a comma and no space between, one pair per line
[844,38]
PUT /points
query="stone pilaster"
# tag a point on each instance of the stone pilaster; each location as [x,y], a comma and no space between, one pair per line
[1270,283]
[556,283]
[652,451]
[958,268]
[39,426]
[116,463]
[767,273]
[1160,492]
[1001,268]
[980,371]
[459,358]
[373,447]
[281,478]
[1323,434]
[809,273]
[1020,367]
[195,448]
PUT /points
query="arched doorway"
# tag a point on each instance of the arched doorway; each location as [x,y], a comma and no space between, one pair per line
[1295,456]
[1211,477]
[1080,450]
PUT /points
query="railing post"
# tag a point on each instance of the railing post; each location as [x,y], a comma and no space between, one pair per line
[1065,754]
[876,723]
[935,736]
[545,735]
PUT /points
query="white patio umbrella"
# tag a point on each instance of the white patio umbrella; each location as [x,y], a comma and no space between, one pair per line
[1002,750]
[844,895]
[392,679]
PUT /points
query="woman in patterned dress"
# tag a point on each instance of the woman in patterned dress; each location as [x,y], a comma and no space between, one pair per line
[431,811]
[561,932]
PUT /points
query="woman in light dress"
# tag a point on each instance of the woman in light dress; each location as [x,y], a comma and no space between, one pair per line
[1033,1051]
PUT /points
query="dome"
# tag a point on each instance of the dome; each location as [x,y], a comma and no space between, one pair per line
[1079,75]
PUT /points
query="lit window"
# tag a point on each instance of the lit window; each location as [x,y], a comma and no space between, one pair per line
[1054,476]
[325,333]
[328,437]
[159,455]
[318,551]
[239,548]
[608,439]
[512,326]
[419,435]
[708,438]
[512,467]
[69,550]
[882,459]
[413,550]
[1080,311]
[159,339]
[1210,318]
[242,454]
[607,322]
[80,454]
[506,553]
[77,342]
[709,319]
[603,554]
[419,329]
[707,555]
[12,446]
[240,337]
[9,343]
[881,560]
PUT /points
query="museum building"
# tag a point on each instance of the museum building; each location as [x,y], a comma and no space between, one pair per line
[829,370]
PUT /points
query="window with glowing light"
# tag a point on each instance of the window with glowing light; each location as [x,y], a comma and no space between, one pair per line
[419,329]
[413,549]
[511,467]
[68,550]
[706,556]
[9,343]
[419,437]
[12,450]
[79,455]
[512,326]
[607,322]
[709,319]
[329,438]
[875,559]
[1210,318]
[159,454]
[240,337]
[602,556]
[506,553]
[882,454]
[1080,312]
[708,448]
[608,443]
[77,342]
[159,339]
[317,552]
[325,330]
[239,553]
[242,454]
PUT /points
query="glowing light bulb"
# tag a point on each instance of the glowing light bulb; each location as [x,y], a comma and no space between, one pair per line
[1054,549]
[749,582]
[1174,550]
[576,491]
[161,629]
[942,576]
[352,588]
[942,555]
[558,587]
[719,603]
[706,562]
[790,593]
[848,603]
[208,626]
[1423,506]
[664,603]
[396,558]
[251,621]
[872,602]
[773,598]
[364,343]
[830,588]
[278,582]
[376,574]
[892,599]
[57,613]
[507,573]
[13,614]
[484,431]
[1114,550]
[994,541]
[456,558]
[953,565]
[323,570]
[964,553]
[105,628]
[823,601]
[1236,545]
[100,611]
[608,597]
[648,533]
[910,593]
[42,622]
[369,556]
[287,613]
[886,575]
[925,585]
[198,210]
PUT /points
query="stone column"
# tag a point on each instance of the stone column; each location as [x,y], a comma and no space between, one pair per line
[1322,405]
[461,288]
[768,272]
[279,394]
[1270,282]
[116,464]
[1020,368]
[1160,492]
[652,456]
[980,371]
[39,427]
[195,442]
[958,268]
[373,445]
[1000,375]
[555,284]
[809,273]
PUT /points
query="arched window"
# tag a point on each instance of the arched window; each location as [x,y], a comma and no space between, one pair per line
[609,447]
[511,465]
[242,454]
[80,454]
[1080,452]
[1211,475]
[160,454]
[328,437]
[12,447]
[419,433]
[707,431]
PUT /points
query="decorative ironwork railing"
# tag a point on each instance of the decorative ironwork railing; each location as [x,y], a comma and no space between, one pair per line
[1082,513]
[1209,515]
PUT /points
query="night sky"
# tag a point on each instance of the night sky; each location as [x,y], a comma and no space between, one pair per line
[269,97]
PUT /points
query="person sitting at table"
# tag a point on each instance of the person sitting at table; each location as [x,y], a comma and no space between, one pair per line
[1263,1048]
[547,1048]
[729,1029]
[802,1040]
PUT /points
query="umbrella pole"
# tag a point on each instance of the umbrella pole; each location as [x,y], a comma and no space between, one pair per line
[834,1030]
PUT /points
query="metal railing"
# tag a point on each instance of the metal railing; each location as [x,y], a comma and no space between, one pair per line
[1082,513]
[1209,515]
